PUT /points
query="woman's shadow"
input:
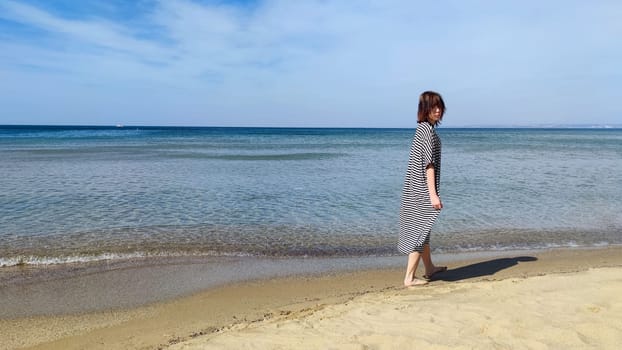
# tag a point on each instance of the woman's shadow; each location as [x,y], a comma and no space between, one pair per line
[485,268]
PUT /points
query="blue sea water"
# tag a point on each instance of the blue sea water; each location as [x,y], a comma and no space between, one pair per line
[91,193]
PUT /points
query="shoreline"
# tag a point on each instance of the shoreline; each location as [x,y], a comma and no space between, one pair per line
[237,303]
[78,288]
[86,288]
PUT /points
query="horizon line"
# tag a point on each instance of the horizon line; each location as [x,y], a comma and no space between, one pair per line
[475,126]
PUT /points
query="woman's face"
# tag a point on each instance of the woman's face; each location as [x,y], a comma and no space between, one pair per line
[435,115]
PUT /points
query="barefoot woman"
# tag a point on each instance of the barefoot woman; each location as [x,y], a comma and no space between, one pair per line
[421,203]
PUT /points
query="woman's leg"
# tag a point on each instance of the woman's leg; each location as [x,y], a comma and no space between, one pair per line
[430,268]
[426,256]
[411,268]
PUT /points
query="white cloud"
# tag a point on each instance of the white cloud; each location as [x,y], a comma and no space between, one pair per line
[323,62]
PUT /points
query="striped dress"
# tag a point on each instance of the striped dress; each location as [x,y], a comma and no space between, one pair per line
[416,212]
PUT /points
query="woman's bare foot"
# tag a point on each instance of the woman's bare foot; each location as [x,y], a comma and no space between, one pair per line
[415,283]
[437,269]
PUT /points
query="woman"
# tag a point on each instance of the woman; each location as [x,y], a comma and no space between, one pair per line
[421,203]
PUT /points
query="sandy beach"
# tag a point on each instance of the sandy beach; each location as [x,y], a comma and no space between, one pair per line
[552,299]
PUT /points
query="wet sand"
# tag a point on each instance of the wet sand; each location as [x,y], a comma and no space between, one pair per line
[572,297]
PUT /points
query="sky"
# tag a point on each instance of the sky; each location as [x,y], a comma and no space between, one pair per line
[309,63]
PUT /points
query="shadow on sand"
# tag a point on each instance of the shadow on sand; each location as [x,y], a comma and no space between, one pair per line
[485,268]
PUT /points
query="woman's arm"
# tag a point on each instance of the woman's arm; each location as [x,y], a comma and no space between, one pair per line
[431,181]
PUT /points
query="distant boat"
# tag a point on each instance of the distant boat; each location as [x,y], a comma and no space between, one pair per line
[119,125]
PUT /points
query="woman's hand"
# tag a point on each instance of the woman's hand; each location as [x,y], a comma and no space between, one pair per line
[436,202]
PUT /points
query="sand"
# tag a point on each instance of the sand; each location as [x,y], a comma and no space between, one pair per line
[576,310]
[541,300]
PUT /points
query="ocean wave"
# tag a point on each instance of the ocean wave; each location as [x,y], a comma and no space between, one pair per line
[32,260]
[312,252]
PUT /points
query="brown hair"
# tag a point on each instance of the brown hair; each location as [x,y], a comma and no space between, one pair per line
[427,102]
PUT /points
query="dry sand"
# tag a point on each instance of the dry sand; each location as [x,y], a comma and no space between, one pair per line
[544,300]
[562,311]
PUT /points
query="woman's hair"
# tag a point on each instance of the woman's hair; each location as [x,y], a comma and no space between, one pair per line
[427,102]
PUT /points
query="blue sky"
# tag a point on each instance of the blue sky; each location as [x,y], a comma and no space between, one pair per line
[309,63]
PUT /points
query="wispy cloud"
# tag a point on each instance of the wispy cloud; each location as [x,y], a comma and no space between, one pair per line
[278,62]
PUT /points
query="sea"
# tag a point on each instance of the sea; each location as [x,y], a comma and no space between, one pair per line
[76,194]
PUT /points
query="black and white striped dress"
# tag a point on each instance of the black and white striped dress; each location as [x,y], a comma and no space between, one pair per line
[416,212]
